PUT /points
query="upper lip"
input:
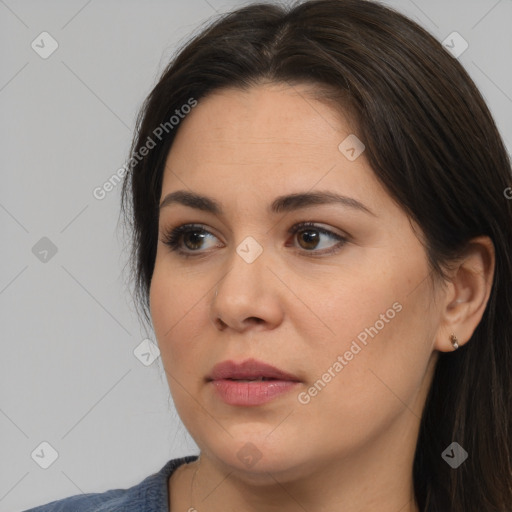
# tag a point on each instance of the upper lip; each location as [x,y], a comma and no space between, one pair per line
[248,369]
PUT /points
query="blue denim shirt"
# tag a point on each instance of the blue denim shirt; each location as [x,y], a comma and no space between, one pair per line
[151,495]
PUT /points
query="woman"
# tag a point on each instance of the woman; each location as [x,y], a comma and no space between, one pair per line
[322,235]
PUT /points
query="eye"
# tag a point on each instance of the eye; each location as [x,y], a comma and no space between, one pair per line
[310,237]
[193,236]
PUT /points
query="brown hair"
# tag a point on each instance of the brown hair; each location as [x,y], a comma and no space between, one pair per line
[432,143]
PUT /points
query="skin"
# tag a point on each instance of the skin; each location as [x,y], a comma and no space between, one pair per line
[351,447]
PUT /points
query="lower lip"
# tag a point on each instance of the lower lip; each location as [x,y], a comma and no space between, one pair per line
[251,393]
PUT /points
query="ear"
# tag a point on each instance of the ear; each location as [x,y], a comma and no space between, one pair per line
[467,294]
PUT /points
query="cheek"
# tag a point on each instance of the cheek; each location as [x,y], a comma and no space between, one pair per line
[382,331]
[384,367]
[160,302]
[167,308]
[178,317]
[168,299]
[346,305]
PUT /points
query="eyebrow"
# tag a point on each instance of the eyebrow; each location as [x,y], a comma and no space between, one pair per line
[284,203]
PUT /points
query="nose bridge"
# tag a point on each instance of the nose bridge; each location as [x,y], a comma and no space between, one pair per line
[247,264]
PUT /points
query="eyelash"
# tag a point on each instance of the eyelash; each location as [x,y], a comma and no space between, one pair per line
[172,238]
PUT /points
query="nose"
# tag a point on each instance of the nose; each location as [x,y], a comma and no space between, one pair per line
[248,296]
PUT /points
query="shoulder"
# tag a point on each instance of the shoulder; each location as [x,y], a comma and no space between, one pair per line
[150,494]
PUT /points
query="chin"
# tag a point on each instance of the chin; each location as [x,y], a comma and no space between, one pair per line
[254,457]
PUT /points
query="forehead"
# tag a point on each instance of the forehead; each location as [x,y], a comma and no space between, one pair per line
[272,114]
[263,141]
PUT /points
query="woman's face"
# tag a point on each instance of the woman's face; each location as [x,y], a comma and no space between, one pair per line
[352,320]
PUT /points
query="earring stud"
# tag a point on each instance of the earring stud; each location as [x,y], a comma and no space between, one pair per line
[454,341]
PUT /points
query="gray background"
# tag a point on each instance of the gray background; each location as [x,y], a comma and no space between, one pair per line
[68,372]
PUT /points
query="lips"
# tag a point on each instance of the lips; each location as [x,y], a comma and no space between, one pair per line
[250,369]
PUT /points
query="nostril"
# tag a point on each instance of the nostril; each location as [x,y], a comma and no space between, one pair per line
[221,323]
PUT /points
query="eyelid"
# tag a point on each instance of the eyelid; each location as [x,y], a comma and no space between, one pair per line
[320,226]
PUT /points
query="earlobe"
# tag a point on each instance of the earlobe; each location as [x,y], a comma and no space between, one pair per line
[471,287]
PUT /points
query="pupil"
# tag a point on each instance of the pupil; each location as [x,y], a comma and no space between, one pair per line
[196,239]
[311,237]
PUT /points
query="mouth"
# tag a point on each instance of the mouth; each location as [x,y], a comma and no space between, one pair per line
[250,383]
[250,393]
[259,379]
[249,370]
